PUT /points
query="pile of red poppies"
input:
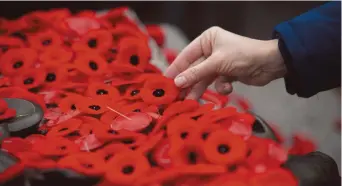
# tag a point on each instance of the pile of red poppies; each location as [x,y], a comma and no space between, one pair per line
[110,114]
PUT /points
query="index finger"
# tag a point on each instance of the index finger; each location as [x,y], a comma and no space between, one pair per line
[185,58]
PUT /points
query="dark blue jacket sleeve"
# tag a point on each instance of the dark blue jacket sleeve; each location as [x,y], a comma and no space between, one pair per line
[311,47]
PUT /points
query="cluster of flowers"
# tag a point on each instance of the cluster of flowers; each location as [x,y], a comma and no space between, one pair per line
[111,115]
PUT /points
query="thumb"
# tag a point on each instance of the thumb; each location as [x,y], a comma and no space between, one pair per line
[195,74]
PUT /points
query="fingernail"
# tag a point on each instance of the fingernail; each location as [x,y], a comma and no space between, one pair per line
[180,81]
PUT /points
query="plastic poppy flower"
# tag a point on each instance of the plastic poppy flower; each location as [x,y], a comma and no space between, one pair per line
[45,40]
[123,31]
[133,92]
[92,106]
[134,52]
[96,40]
[55,146]
[17,60]
[180,107]
[223,147]
[157,33]
[126,167]
[90,164]
[35,160]
[64,128]
[103,92]
[91,64]
[278,176]
[180,126]
[70,102]
[109,151]
[7,43]
[187,154]
[5,112]
[54,76]
[56,56]
[159,91]
[31,78]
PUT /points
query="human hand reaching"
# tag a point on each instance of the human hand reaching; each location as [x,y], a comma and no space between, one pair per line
[224,57]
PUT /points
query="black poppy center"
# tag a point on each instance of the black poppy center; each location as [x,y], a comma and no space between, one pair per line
[19,35]
[101,92]
[136,110]
[135,92]
[111,131]
[4,48]
[73,107]
[92,43]
[108,157]
[18,64]
[223,149]
[127,141]
[158,93]
[192,157]
[95,107]
[86,165]
[28,81]
[113,50]
[134,60]
[93,65]
[205,135]
[183,135]
[110,60]
[47,42]
[50,77]
[129,169]
[63,147]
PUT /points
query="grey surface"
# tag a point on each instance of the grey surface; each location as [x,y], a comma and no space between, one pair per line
[313,117]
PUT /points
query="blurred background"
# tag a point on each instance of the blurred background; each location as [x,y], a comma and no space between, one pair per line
[315,117]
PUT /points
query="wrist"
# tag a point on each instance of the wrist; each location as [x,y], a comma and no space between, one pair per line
[274,58]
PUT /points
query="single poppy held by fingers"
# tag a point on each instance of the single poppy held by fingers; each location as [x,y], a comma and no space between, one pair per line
[223,147]
[134,52]
[96,40]
[31,78]
[278,176]
[161,91]
[126,167]
[17,60]
[103,92]
[64,128]
[55,146]
[45,40]
[56,56]
[91,64]
[90,164]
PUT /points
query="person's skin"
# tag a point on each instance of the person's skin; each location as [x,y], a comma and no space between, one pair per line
[221,56]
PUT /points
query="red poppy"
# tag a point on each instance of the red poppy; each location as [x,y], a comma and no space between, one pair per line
[31,78]
[17,61]
[64,128]
[108,117]
[92,106]
[123,31]
[223,147]
[70,102]
[7,43]
[180,107]
[14,145]
[5,81]
[96,41]
[133,92]
[102,91]
[56,56]
[126,167]
[159,91]
[91,64]
[157,33]
[86,163]
[278,176]
[180,126]
[45,40]
[55,146]
[134,52]
[187,154]
[35,160]
[5,112]
[55,76]
[109,151]
[161,154]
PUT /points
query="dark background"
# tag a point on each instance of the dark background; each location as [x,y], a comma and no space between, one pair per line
[250,18]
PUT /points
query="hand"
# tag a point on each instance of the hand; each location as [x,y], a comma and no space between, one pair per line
[225,57]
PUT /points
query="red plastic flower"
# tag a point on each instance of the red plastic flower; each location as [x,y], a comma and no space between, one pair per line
[56,56]
[91,64]
[103,92]
[31,78]
[159,91]
[17,60]
[96,41]
[45,40]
